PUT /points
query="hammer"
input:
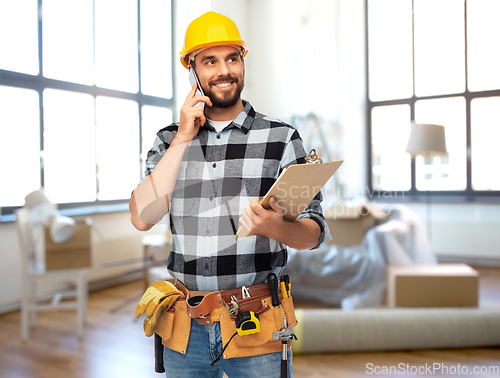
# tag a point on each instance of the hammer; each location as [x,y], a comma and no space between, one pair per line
[284,335]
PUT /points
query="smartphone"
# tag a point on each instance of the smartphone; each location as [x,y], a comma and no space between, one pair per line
[193,78]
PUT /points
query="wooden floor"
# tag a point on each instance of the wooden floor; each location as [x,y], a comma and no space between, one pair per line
[114,345]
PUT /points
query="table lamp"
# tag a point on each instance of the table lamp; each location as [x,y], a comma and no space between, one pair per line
[427,140]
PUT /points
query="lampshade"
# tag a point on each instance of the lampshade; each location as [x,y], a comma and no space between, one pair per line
[61,228]
[39,201]
[427,140]
[42,210]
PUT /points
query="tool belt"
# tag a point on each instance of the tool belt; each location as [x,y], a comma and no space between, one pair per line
[207,307]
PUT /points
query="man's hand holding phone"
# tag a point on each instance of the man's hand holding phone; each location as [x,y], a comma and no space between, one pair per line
[192,117]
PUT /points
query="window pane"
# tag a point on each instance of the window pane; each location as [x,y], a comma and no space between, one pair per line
[117,147]
[69,152]
[19,36]
[156,57]
[154,119]
[68,41]
[484,143]
[439,47]
[483,49]
[390,49]
[449,172]
[390,132]
[19,145]
[116,63]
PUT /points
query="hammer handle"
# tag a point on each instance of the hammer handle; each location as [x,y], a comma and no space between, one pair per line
[272,281]
[159,354]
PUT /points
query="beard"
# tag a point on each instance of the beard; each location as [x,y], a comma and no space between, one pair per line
[229,98]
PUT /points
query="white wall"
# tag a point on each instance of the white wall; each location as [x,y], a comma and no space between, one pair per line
[470,230]
[308,57]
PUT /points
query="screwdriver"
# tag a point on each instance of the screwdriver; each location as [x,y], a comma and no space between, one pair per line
[285,286]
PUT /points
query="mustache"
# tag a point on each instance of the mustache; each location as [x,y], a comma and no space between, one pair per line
[223,79]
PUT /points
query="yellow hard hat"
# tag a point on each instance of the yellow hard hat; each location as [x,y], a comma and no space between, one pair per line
[209,30]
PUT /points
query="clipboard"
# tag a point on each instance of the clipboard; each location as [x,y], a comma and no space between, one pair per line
[296,187]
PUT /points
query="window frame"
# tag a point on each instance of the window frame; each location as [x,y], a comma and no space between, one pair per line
[468,194]
[39,83]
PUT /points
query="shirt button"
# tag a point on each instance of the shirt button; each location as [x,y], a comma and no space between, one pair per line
[207,232]
[214,165]
[206,266]
[218,136]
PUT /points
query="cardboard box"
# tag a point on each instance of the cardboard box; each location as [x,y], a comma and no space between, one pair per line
[440,285]
[348,225]
[73,253]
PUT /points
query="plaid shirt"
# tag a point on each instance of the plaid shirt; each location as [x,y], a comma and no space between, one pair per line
[219,175]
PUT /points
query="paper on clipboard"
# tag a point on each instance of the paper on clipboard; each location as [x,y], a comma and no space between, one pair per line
[296,187]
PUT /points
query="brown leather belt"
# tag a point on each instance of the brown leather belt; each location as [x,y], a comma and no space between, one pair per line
[200,304]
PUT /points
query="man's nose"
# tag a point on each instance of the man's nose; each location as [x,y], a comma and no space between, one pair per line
[223,69]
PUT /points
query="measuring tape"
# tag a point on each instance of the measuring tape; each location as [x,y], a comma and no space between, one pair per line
[247,323]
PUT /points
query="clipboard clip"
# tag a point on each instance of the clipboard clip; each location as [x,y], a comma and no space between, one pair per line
[313,158]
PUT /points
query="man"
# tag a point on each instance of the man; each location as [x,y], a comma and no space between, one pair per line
[208,170]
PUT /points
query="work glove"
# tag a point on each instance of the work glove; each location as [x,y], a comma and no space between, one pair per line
[159,297]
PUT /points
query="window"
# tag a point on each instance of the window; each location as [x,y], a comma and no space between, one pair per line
[431,62]
[84,88]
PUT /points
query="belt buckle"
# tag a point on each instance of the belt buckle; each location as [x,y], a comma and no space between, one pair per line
[205,320]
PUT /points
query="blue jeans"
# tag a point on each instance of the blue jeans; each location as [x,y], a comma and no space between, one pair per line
[205,345]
